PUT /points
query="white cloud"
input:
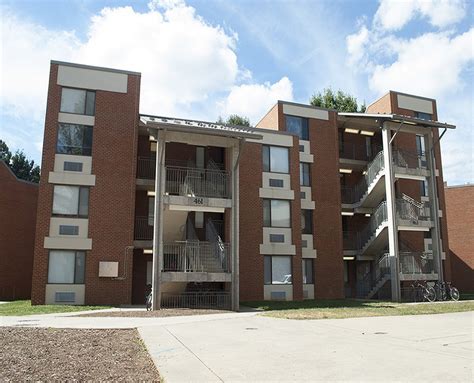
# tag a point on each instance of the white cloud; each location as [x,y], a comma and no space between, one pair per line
[394,14]
[356,45]
[429,65]
[254,100]
[187,65]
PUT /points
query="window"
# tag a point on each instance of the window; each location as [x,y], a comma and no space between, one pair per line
[304,174]
[420,144]
[71,200]
[275,159]
[66,267]
[424,188]
[307,221]
[78,101]
[308,278]
[74,139]
[298,125]
[277,270]
[424,116]
[276,213]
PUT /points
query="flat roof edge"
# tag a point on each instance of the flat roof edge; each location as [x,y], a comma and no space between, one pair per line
[104,69]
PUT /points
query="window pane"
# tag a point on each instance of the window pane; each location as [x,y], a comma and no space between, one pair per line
[308,271]
[61,266]
[74,139]
[66,199]
[90,103]
[73,100]
[297,125]
[279,160]
[280,213]
[266,158]
[80,267]
[267,266]
[87,141]
[266,213]
[304,174]
[281,270]
[84,202]
[307,221]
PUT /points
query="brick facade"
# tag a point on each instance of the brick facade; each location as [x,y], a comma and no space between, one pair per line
[18,201]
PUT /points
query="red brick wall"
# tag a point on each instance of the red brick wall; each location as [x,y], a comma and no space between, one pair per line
[17,234]
[460,218]
[112,199]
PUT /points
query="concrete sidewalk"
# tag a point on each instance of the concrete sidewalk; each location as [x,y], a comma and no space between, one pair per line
[256,348]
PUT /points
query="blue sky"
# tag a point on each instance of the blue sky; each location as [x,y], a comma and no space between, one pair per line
[204,59]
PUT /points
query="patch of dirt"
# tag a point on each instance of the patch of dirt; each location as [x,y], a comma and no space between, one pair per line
[45,354]
[154,314]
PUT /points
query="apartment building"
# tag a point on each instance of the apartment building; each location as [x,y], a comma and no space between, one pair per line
[310,203]
[460,218]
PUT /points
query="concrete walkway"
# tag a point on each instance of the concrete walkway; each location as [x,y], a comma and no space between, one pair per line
[236,347]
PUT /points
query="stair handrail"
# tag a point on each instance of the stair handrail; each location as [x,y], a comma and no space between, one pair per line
[213,237]
[378,217]
[372,171]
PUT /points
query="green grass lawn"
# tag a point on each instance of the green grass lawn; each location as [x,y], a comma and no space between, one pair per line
[25,308]
[351,308]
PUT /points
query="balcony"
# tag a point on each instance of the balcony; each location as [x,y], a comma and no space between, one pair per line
[409,164]
[417,265]
[196,257]
[146,168]
[143,229]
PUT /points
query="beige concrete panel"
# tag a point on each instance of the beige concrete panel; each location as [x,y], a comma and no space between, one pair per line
[200,139]
[308,291]
[92,79]
[308,251]
[108,269]
[51,291]
[276,139]
[287,289]
[70,118]
[286,231]
[68,243]
[303,111]
[415,103]
[276,193]
[59,160]
[55,222]
[71,178]
[197,204]
[306,202]
[173,287]
[286,178]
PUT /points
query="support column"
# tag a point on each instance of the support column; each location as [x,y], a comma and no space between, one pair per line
[391,213]
[158,220]
[434,210]
[235,225]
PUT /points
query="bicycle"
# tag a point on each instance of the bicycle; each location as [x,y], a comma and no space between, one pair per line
[423,290]
[445,291]
[452,291]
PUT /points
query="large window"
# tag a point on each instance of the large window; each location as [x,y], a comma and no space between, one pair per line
[276,213]
[308,278]
[74,139]
[71,200]
[304,174]
[424,116]
[277,270]
[66,266]
[297,125]
[275,159]
[307,221]
[420,144]
[78,101]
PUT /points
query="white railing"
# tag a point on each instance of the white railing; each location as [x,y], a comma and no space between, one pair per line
[373,170]
[376,219]
[196,256]
[409,159]
[197,182]
[416,263]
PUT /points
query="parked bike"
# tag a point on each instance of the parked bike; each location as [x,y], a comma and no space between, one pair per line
[445,291]
[423,292]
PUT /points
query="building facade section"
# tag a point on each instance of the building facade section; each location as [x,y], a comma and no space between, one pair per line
[18,201]
[460,219]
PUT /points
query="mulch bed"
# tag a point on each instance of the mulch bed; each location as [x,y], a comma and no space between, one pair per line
[45,354]
[154,314]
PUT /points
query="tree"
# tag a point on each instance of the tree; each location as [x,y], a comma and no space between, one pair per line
[342,102]
[20,165]
[234,119]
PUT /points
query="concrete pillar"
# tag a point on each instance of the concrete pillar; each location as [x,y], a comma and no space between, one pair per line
[158,220]
[235,226]
[391,213]
[434,210]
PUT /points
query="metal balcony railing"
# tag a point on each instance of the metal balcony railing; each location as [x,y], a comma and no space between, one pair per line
[197,182]
[196,256]
[146,168]
[377,218]
[409,159]
[143,228]
[413,212]
[416,263]
[220,300]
